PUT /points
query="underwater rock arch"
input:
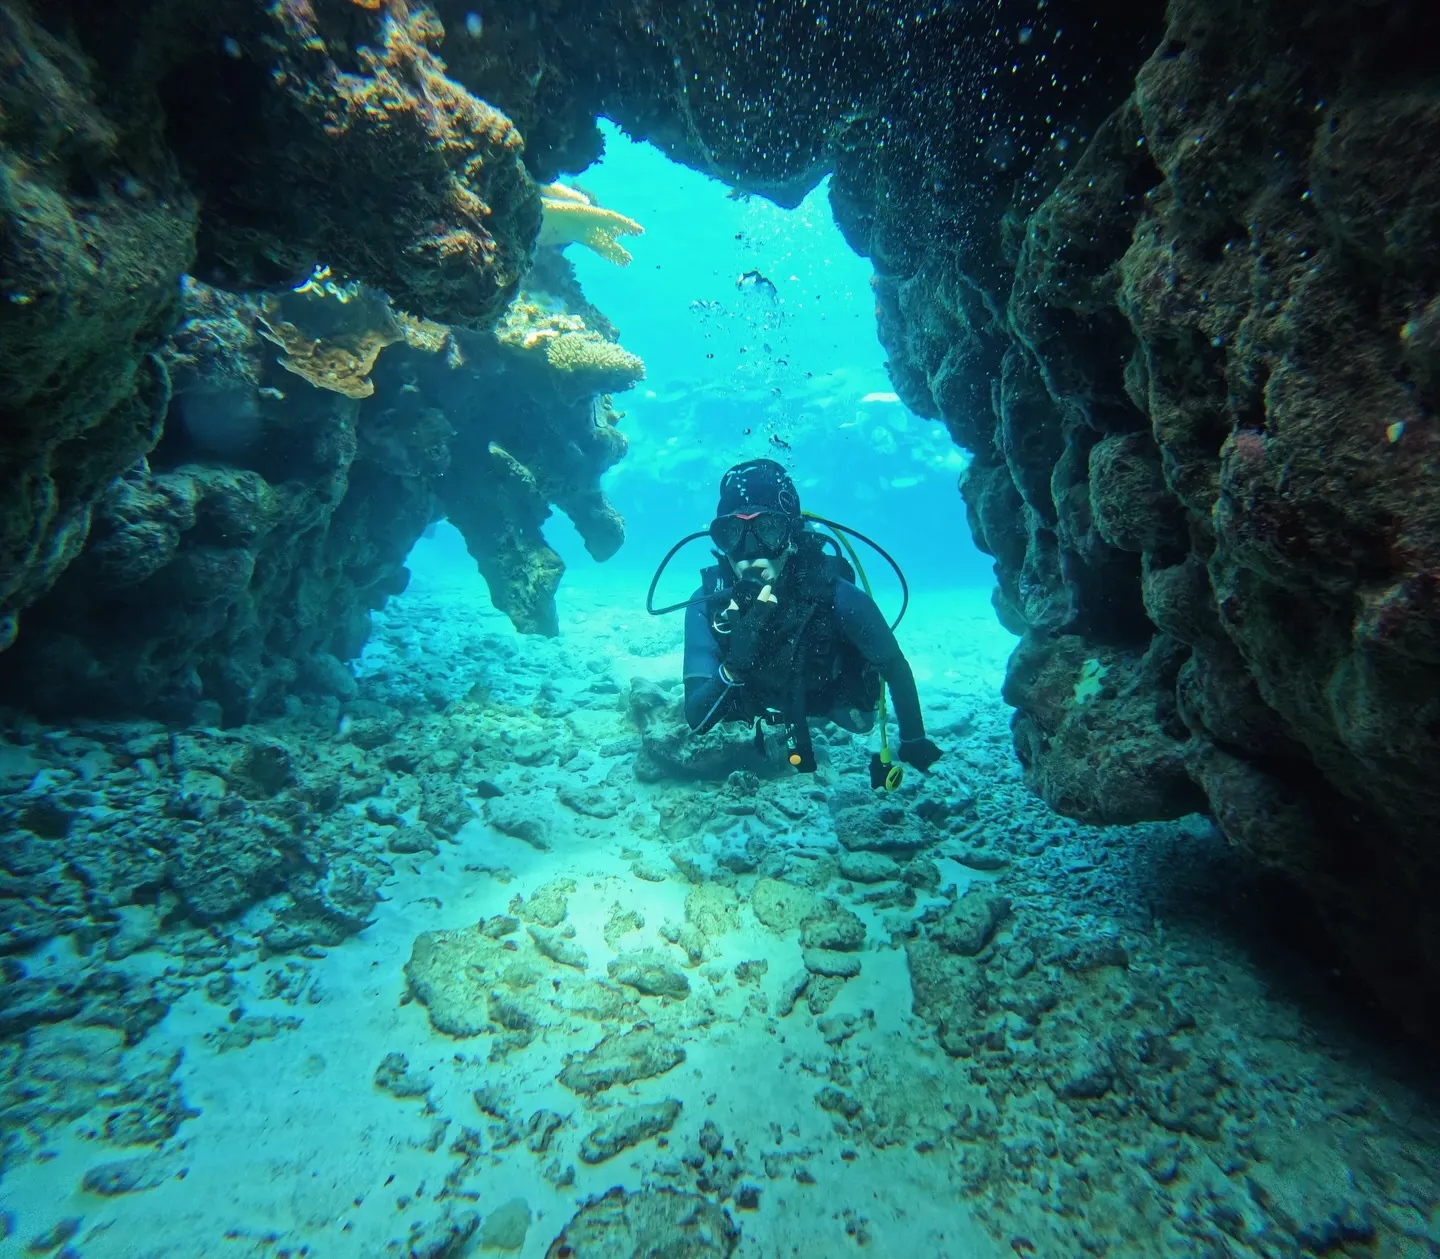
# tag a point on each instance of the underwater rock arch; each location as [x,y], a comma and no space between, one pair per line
[1170,274]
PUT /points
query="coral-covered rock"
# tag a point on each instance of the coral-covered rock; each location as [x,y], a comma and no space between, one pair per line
[1132,506]
[94,237]
[391,172]
[211,571]
[545,436]
[1221,359]
[141,145]
[650,1221]
[288,488]
[1098,732]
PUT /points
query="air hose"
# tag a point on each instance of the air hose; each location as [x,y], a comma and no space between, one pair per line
[884,772]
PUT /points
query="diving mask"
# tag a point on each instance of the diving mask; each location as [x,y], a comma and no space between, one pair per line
[756,533]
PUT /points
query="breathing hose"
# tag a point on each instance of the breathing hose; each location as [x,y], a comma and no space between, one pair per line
[887,773]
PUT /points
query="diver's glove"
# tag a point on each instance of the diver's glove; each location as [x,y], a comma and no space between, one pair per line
[750,632]
[921,753]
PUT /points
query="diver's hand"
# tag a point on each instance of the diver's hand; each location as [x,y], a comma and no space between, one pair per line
[749,634]
[921,753]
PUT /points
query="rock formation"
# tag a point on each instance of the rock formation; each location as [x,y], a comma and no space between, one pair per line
[1210,482]
[238,562]
[228,141]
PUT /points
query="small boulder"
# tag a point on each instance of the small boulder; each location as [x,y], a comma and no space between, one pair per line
[648,974]
[519,820]
[832,926]
[968,925]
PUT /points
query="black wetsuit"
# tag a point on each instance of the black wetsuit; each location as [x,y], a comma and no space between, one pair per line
[868,647]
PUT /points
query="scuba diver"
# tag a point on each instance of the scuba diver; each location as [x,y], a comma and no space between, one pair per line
[779,632]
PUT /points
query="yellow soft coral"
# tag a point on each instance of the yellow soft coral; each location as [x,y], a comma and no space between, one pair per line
[571,217]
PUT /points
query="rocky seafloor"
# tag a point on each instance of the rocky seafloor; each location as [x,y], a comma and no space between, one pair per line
[484,957]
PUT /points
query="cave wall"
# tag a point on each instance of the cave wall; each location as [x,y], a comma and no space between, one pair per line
[204,492]
[238,142]
[1213,427]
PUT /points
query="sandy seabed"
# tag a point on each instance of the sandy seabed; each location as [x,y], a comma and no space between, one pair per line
[1122,1069]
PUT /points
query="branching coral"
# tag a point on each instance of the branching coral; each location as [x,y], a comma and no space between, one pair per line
[572,217]
[591,355]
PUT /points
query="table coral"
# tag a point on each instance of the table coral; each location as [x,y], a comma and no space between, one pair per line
[573,217]
[341,365]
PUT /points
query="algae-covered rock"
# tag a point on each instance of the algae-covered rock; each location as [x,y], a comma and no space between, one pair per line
[407,840]
[653,1222]
[832,926]
[620,922]
[394,1076]
[592,801]
[245,1031]
[506,1226]
[791,990]
[621,1058]
[629,1127]
[442,1237]
[922,874]
[821,992]
[831,964]
[751,972]
[779,905]
[559,947]
[649,975]
[688,937]
[130,1175]
[714,908]
[868,867]
[518,820]
[881,828]
[592,999]
[967,926]
[547,905]
[450,973]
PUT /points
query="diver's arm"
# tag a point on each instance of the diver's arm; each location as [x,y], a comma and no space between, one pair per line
[864,625]
[709,690]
